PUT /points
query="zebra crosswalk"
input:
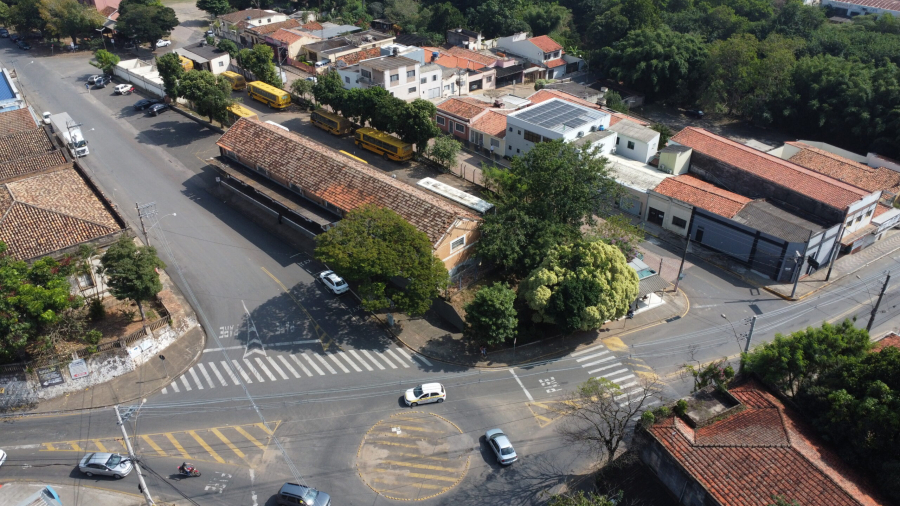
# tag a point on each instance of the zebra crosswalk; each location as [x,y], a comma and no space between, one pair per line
[601,363]
[268,368]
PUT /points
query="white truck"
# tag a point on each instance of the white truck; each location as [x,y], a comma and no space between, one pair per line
[69,132]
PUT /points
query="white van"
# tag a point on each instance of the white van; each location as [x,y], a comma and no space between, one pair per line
[322,63]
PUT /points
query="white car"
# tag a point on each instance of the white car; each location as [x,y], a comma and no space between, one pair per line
[424,394]
[334,282]
[124,89]
[163,43]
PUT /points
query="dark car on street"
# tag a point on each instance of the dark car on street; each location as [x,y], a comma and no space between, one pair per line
[14,37]
[102,82]
[156,109]
[140,105]
[4,33]
[694,113]
[23,45]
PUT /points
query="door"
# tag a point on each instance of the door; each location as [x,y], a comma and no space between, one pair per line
[434,93]
[656,216]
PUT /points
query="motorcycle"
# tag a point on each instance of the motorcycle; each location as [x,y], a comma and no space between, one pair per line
[188,470]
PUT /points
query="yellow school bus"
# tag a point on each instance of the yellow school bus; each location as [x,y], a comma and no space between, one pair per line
[388,146]
[334,123]
[269,95]
[186,64]
[237,111]
[237,81]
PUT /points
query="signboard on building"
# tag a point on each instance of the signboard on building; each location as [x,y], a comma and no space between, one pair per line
[50,376]
[78,369]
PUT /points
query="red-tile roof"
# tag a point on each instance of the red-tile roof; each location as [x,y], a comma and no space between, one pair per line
[109,9]
[545,43]
[781,172]
[363,54]
[312,26]
[468,54]
[234,17]
[273,27]
[696,192]
[545,95]
[18,120]
[25,144]
[466,108]
[880,209]
[891,339]
[343,182]
[492,123]
[764,450]
[846,170]
[287,36]
[559,62]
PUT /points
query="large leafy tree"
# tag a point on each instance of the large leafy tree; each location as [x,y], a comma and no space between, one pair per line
[145,20]
[444,150]
[171,71]
[25,16]
[229,47]
[69,18]
[209,94]
[106,60]
[131,271]
[580,286]
[259,61]
[445,16]
[497,18]
[32,299]
[416,123]
[214,7]
[390,258]
[579,498]
[4,14]
[491,316]
[329,90]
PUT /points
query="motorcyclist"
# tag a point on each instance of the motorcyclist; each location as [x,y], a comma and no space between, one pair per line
[186,468]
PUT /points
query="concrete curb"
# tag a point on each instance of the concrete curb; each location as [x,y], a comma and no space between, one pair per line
[196,119]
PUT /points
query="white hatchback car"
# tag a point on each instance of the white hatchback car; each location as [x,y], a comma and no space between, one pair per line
[423,394]
[333,282]
[163,43]
[124,89]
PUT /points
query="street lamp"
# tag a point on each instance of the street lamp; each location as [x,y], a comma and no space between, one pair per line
[102,37]
[733,330]
[147,230]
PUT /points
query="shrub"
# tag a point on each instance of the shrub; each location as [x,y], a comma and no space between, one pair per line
[680,407]
[491,316]
[93,336]
[97,311]
[647,418]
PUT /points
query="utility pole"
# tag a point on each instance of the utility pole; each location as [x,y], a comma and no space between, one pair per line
[750,335]
[686,248]
[147,210]
[137,467]
[837,247]
[884,288]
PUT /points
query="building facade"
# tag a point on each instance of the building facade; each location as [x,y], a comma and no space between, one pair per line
[551,120]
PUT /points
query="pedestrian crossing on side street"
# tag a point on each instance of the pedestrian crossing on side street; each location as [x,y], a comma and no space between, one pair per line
[262,369]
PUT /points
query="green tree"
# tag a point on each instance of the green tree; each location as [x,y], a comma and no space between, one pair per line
[795,19]
[301,88]
[579,498]
[544,19]
[131,271]
[106,60]
[329,90]
[32,299]
[617,230]
[496,18]
[665,133]
[416,124]
[214,8]
[615,101]
[491,316]
[145,20]
[444,150]
[69,18]
[375,247]
[209,95]
[25,16]
[445,16]
[780,500]
[580,286]
[229,47]
[259,61]
[730,73]
[170,71]
[4,14]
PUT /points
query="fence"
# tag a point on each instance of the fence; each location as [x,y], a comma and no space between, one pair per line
[468,172]
[466,276]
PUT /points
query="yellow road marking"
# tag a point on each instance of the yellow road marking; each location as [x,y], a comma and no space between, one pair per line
[122,442]
[263,427]
[421,456]
[100,446]
[75,446]
[614,344]
[250,438]
[227,442]
[394,444]
[418,475]
[50,447]
[633,363]
[152,444]
[402,485]
[420,466]
[177,445]
[406,427]
[206,447]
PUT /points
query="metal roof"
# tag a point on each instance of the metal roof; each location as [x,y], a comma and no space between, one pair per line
[778,222]
[633,130]
[6,88]
[558,115]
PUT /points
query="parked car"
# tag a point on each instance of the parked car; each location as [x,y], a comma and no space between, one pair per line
[333,282]
[102,82]
[163,43]
[695,113]
[46,117]
[94,79]
[210,33]
[293,494]
[105,464]
[425,394]
[501,446]
[4,33]
[14,37]
[140,105]
[23,45]
[313,79]
[157,109]
[129,45]
[124,89]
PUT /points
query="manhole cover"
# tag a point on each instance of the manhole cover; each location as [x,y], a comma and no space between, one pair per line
[413,456]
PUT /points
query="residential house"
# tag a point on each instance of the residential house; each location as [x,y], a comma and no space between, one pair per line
[326,30]
[456,115]
[382,25]
[354,58]
[104,7]
[287,42]
[233,24]
[581,91]
[411,52]
[546,94]
[206,57]
[411,39]
[487,132]
[551,120]
[744,446]
[430,83]
[460,37]
[370,38]
[397,74]
[10,97]
[328,50]
[340,184]
[453,82]
[254,35]
[635,141]
[542,51]
[859,7]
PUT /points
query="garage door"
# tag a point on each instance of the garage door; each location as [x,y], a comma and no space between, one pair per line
[434,92]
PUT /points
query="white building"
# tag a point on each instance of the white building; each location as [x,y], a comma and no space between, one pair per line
[234,23]
[551,120]
[430,81]
[635,141]
[860,7]
[397,74]
[542,51]
[206,57]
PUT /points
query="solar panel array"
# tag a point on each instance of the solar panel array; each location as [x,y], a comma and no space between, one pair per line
[559,116]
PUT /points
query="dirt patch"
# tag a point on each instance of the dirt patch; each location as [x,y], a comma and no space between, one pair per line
[123,318]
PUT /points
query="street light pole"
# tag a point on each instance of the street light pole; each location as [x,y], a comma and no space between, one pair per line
[137,467]
[887,281]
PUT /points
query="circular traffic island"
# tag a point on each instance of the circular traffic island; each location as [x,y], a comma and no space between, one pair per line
[413,456]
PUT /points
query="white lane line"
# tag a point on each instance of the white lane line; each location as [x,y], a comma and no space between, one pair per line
[326,364]
[229,372]
[617,364]
[632,401]
[206,375]
[587,350]
[595,355]
[623,378]
[527,393]
[627,385]
[338,362]
[254,371]
[372,359]
[345,357]
[241,371]
[424,360]
[277,368]
[215,370]
[289,343]
[361,361]
[196,378]
[299,364]
[591,364]
[398,359]
[187,386]
[164,390]
[626,394]
[403,352]
[174,387]
[225,348]
[609,375]
[265,369]
[388,362]
[288,365]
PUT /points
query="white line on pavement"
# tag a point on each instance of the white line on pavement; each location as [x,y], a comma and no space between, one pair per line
[399,361]
[225,348]
[326,364]
[611,374]
[230,374]
[277,368]
[288,365]
[196,378]
[595,355]
[591,364]
[388,362]
[206,375]
[527,393]
[241,371]
[164,390]
[290,343]
[215,370]
[345,357]
[403,352]
[254,371]
[311,364]
[363,362]
[338,362]
[265,369]
[423,359]
[623,378]
[626,385]
[372,359]
[174,387]
[187,386]
[617,364]
[587,350]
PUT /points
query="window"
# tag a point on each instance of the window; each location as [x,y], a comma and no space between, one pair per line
[434,77]
[869,213]
[556,54]
[460,127]
[495,143]
[678,222]
[630,144]
[617,141]
[365,73]
[395,78]
[411,90]
[440,120]
[221,64]
[457,243]
[347,80]
[858,219]
[269,20]
[532,137]
[517,150]
[423,80]
[410,73]
[510,129]
[509,147]
[489,79]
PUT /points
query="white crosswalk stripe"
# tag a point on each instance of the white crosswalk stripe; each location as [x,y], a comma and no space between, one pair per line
[626,394]
[617,364]
[228,371]
[423,359]
[241,371]
[187,386]
[206,375]
[628,385]
[398,359]
[164,391]
[174,387]
[338,362]
[196,378]
[253,370]
[361,361]
[370,357]
[215,370]
[288,366]
[326,364]
[277,368]
[311,364]
[347,359]
[595,355]
[623,378]
[592,364]
[614,373]
[587,350]
[265,369]
[403,352]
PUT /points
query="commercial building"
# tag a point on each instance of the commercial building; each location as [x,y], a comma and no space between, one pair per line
[551,120]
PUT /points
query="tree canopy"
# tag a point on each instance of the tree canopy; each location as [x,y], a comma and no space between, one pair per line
[210,95]
[491,316]
[145,20]
[69,18]
[131,271]
[259,61]
[171,71]
[214,7]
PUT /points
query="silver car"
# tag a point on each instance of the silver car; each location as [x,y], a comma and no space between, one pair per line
[105,464]
[501,446]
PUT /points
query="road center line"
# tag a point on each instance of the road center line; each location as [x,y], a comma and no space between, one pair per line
[527,393]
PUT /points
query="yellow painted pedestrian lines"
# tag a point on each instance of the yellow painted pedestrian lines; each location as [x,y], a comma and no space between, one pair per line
[393,444]
[228,443]
[407,427]
[177,445]
[413,485]
[100,446]
[266,429]
[249,437]
[417,456]
[206,447]
[152,444]
[451,479]
[420,466]
[49,447]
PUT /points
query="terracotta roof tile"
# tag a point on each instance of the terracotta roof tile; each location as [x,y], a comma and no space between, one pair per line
[468,54]
[343,182]
[781,172]
[25,144]
[18,120]
[545,95]
[466,109]
[545,43]
[286,36]
[846,170]
[109,9]
[234,17]
[273,27]
[312,26]
[696,192]
[492,123]
[551,64]
[761,451]
[891,339]
[363,54]
[881,209]
[30,165]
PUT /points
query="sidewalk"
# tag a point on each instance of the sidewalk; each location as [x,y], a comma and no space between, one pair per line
[13,493]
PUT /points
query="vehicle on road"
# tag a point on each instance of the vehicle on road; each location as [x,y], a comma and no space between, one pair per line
[388,146]
[105,464]
[163,43]
[501,446]
[269,95]
[188,469]
[2,457]
[69,132]
[333,282]
[14,37]
[312,79]
[334,123]
[424,394]
[23,45]
[140,105]
[46,117]
[237,111]
[292,494]
[102,82]
[4,33]
[124,89]
[694,113]
[94,79]
[237,81]
[157,109]
[210,33]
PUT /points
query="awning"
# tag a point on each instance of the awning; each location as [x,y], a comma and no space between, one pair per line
[852,237]
[652,284]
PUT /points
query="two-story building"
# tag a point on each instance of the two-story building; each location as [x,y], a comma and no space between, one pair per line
[551,120]
[233,24]
[456,115]
[542,51]
[254,35]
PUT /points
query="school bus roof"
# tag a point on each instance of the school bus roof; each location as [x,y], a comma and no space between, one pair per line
[267,87]
[239,110]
